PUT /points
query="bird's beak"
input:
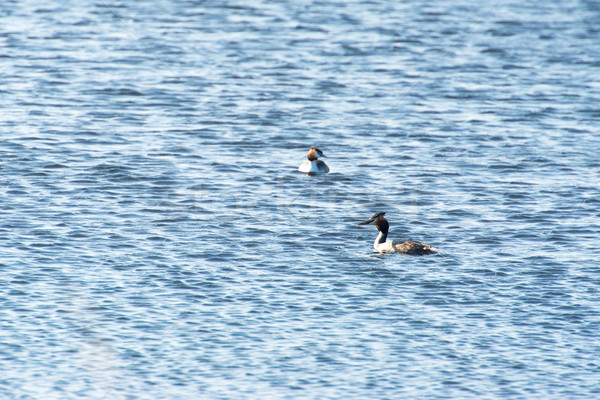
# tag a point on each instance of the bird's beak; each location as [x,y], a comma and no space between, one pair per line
[367,222]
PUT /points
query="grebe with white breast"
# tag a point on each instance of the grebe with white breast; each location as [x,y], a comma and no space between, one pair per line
[313,165]
[383,246]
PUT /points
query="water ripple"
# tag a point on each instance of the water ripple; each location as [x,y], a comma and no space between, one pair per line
[158,241]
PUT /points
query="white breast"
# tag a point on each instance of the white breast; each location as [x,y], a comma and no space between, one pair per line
[310,167]
[385,247]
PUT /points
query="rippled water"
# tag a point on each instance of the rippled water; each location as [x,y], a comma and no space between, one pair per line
[157,242]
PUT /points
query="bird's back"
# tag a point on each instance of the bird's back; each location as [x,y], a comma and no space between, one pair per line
[322,166]
[414,248]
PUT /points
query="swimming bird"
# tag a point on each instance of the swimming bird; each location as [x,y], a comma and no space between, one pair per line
[313,165]
[383,246]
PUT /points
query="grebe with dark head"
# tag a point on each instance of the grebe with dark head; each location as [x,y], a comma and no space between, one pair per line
[383,246]
[313,165]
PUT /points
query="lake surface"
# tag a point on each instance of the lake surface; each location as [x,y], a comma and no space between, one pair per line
[158,243]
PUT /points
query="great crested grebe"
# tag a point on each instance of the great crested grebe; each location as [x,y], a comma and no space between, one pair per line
[313,165]
[383,246]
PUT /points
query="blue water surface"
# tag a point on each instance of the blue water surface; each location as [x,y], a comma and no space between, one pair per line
[157,242]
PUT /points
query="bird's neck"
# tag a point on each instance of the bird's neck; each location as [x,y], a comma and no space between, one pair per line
[380,239]
[383,227]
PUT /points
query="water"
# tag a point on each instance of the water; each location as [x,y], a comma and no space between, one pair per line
[157,242]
